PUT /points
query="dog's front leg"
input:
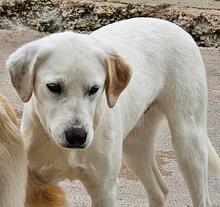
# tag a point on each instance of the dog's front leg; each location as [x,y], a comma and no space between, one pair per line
[103,192]
[105,198]
[101,179]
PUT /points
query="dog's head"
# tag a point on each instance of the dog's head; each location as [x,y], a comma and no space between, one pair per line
[65,74]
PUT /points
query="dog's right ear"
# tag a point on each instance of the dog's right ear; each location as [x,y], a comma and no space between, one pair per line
[118,76]
[21,66]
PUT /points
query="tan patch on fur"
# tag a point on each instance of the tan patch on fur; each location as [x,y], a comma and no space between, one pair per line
[118,76]
[9,110]
[40,194]
[9,131]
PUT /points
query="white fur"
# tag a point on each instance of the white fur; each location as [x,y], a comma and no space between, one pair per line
[167,70]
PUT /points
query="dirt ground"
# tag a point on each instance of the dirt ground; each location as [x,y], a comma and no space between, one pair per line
[194,3]
[131,191]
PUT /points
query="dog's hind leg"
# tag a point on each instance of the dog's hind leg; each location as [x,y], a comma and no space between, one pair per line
[139,156]
[185,108]
[190,142]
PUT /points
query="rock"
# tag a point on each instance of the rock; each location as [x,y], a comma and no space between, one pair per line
[87,15]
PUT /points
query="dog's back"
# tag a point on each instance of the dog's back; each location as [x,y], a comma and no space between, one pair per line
[12,159]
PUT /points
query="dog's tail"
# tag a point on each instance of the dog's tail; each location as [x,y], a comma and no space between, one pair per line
[52,196]
[214,160]
[41,194]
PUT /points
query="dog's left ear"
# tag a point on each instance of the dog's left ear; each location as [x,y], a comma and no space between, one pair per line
[118,76]
[21,66]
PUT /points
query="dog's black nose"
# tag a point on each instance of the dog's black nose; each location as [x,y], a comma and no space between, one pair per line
[75,137]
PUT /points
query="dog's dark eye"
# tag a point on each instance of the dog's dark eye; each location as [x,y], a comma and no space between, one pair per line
[54,87]
[93,90]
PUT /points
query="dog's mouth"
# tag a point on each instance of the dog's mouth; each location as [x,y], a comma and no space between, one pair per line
[66,145]
[75,146]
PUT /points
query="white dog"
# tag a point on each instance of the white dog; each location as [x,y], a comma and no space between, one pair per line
[102,95]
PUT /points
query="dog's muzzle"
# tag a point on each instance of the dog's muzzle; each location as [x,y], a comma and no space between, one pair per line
[75,137]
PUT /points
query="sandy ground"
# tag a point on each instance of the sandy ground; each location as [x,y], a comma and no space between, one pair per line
[131,191]
[194,3]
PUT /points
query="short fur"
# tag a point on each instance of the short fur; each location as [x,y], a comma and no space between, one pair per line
[135,64]
[12,159]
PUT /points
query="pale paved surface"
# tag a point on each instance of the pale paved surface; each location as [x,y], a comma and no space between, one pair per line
[131,192]
[194,3]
